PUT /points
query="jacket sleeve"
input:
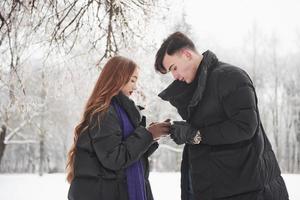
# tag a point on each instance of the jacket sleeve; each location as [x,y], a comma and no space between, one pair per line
[238,99]
[152,149]
[113,152]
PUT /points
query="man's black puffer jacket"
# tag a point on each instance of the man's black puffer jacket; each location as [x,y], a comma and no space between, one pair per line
[235,159]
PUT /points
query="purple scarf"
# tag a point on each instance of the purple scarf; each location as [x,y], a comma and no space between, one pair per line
[135,172]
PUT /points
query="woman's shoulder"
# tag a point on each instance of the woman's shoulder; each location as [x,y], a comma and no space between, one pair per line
[111,110]
[106,123]
[109,115]
[103,117]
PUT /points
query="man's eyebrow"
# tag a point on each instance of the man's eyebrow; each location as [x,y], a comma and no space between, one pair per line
[134,77]
[170,67]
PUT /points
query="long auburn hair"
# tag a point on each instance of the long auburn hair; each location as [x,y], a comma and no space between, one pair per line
[115,74]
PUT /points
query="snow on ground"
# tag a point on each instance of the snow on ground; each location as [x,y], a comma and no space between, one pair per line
[54,187]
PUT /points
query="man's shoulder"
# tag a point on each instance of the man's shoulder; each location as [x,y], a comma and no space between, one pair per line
[225,68]
[225,71]
[230,77]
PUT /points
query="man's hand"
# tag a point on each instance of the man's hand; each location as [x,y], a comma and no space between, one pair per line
[182,132]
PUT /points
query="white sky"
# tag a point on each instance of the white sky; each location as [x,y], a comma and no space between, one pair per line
[229,21]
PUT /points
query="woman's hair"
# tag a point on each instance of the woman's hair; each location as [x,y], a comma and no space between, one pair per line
[172,45]
[115,74]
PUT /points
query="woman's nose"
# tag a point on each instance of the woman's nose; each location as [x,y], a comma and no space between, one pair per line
[134,87]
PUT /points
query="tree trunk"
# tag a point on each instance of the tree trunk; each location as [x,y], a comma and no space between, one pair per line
[42,155]
[42,129]
[2,144]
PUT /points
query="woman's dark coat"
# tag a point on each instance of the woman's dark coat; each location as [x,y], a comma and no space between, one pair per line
[235,159]
[102,156]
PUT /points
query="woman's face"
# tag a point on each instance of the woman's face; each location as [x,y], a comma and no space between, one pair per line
[129,87]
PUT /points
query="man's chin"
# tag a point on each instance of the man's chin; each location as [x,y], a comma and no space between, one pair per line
[187,81]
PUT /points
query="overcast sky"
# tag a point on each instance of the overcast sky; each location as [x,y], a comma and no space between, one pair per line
[229,21]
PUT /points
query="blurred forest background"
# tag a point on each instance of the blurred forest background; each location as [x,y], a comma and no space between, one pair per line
[53,51]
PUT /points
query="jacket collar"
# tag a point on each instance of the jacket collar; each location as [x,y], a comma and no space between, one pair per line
[129,106]
[185,96]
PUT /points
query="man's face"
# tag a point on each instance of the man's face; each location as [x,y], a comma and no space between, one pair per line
[180,65]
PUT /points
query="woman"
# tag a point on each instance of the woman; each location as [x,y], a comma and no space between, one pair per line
[109,157]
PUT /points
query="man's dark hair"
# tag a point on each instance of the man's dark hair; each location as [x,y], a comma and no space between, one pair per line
[171,45]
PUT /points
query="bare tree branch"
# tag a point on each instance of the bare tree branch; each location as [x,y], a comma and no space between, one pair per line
[16,130]
[22,142]
[67,19]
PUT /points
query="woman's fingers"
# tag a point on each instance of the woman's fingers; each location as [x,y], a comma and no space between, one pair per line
[166,124]
[165,129]
[152,123]
[167,120]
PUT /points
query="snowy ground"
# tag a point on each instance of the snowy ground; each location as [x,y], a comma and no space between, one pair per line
[54,187]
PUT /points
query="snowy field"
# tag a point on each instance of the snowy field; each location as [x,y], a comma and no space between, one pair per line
[54,187]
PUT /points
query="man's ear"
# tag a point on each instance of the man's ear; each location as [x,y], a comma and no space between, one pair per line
[186,53]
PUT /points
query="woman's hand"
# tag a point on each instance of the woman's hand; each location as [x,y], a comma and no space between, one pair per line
[158,129]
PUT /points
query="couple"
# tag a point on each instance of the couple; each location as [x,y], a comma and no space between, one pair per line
[226,155]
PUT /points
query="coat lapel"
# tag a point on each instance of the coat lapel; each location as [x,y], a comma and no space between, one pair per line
[185,96]
[129,106]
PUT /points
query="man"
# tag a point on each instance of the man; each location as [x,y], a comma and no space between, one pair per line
[227,154]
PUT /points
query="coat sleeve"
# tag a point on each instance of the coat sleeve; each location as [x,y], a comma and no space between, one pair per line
[152,149]
[238,99]
[113,152]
